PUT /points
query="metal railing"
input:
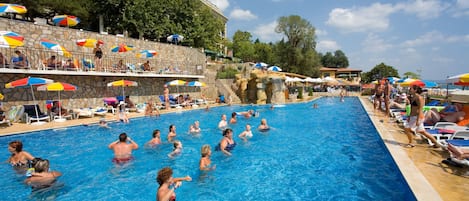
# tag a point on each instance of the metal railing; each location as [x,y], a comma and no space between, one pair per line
[37,59]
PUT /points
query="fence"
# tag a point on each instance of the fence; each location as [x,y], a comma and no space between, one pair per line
[38,59]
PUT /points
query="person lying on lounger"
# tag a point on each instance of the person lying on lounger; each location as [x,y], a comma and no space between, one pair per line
[459,153]
[451,113]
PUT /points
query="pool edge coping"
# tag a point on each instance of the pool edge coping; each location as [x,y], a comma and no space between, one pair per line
[418,183]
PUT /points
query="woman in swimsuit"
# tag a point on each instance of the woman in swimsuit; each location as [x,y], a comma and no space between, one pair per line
[165,180]
[222,124]
[194,128]
[205,162]
[19,159]
[42,177]
[227,143]
[98,55]
[246,133]
[263,126]
[416,117]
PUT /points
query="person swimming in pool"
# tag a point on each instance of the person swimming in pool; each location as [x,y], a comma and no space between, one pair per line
[123,148]
[263,127]
[156,140]
[176,150]
[247,133]
[233,118]
[19,159]
[172,133]
[103,123]
[42,177]
[227,143]
[166,181]
[222,124]
[205,162]
[248,114]
[194,128]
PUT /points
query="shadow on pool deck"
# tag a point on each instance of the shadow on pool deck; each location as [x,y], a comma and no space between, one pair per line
[451,183]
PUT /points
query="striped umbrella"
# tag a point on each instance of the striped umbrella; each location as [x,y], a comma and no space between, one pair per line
[175,38]
[196,84]
[274,68]
[462,79]
[58,86]
[9,39]
[122,48]
[1,96]
[65,20]
[122,83]
[12,8]
[88,42]
[56,47]
[146,53]
[176,83]
[29,82]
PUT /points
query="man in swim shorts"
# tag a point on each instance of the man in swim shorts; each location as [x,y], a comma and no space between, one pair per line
[123,148]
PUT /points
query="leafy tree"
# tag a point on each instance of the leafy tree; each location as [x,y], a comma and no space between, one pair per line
[379,71]
[299,49]
[263,52]
[242,46]
[341,61]
[411,75]
[338,60]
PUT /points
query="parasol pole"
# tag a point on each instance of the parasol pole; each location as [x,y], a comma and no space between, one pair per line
[34,102]
[60,107]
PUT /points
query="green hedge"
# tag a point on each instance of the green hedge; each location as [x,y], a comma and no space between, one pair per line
[227,73]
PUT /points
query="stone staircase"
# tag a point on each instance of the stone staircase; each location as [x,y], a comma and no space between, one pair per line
[217,87]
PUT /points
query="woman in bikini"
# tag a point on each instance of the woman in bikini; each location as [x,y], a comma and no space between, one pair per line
[416,117]
[168,184]
[98,55]
[19,159]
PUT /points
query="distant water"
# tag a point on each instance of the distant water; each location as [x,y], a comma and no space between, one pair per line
[442,84]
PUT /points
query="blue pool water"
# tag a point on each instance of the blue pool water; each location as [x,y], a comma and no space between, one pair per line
[330,153]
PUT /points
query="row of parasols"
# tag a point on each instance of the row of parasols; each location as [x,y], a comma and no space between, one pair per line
[59,20]
[9,39]
[460,80]
[44,84]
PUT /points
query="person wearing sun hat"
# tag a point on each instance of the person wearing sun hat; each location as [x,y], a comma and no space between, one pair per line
[122,113]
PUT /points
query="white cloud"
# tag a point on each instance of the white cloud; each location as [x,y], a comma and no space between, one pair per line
[320,32]
[266,32]
[461,8]
[240,14]
[374,43]
[362,19]
[424,9]
[327,46]
[434,37]
[221,4]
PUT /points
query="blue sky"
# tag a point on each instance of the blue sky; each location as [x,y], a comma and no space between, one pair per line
[431,36]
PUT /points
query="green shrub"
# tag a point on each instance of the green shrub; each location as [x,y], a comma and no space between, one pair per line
[227,73]
[310,91]
[300,93]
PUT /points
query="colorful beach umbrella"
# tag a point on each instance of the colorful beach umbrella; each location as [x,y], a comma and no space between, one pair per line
[65,20]
[9,39]
[122,83]
[55,47]
[175,38]
[58,86]
[122,48]
[146,54]
[12,8]
[196,84]
[176,83]
[29,82]
[274,68]
[260,65]
[88,42]
[461,79]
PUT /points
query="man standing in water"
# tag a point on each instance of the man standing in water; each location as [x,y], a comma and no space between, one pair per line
[123,148]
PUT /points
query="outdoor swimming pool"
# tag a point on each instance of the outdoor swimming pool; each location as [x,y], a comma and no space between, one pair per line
[330,153]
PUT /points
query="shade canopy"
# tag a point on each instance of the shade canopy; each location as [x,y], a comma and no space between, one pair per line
[52,45]
[65,20]
[12,8]
[122,48]
[9,39]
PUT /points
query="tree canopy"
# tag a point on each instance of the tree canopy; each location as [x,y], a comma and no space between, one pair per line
[378,72]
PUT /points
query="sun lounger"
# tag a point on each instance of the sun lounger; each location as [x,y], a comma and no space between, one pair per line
[83,112]
[101,111]
[30,114]
[5,121]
